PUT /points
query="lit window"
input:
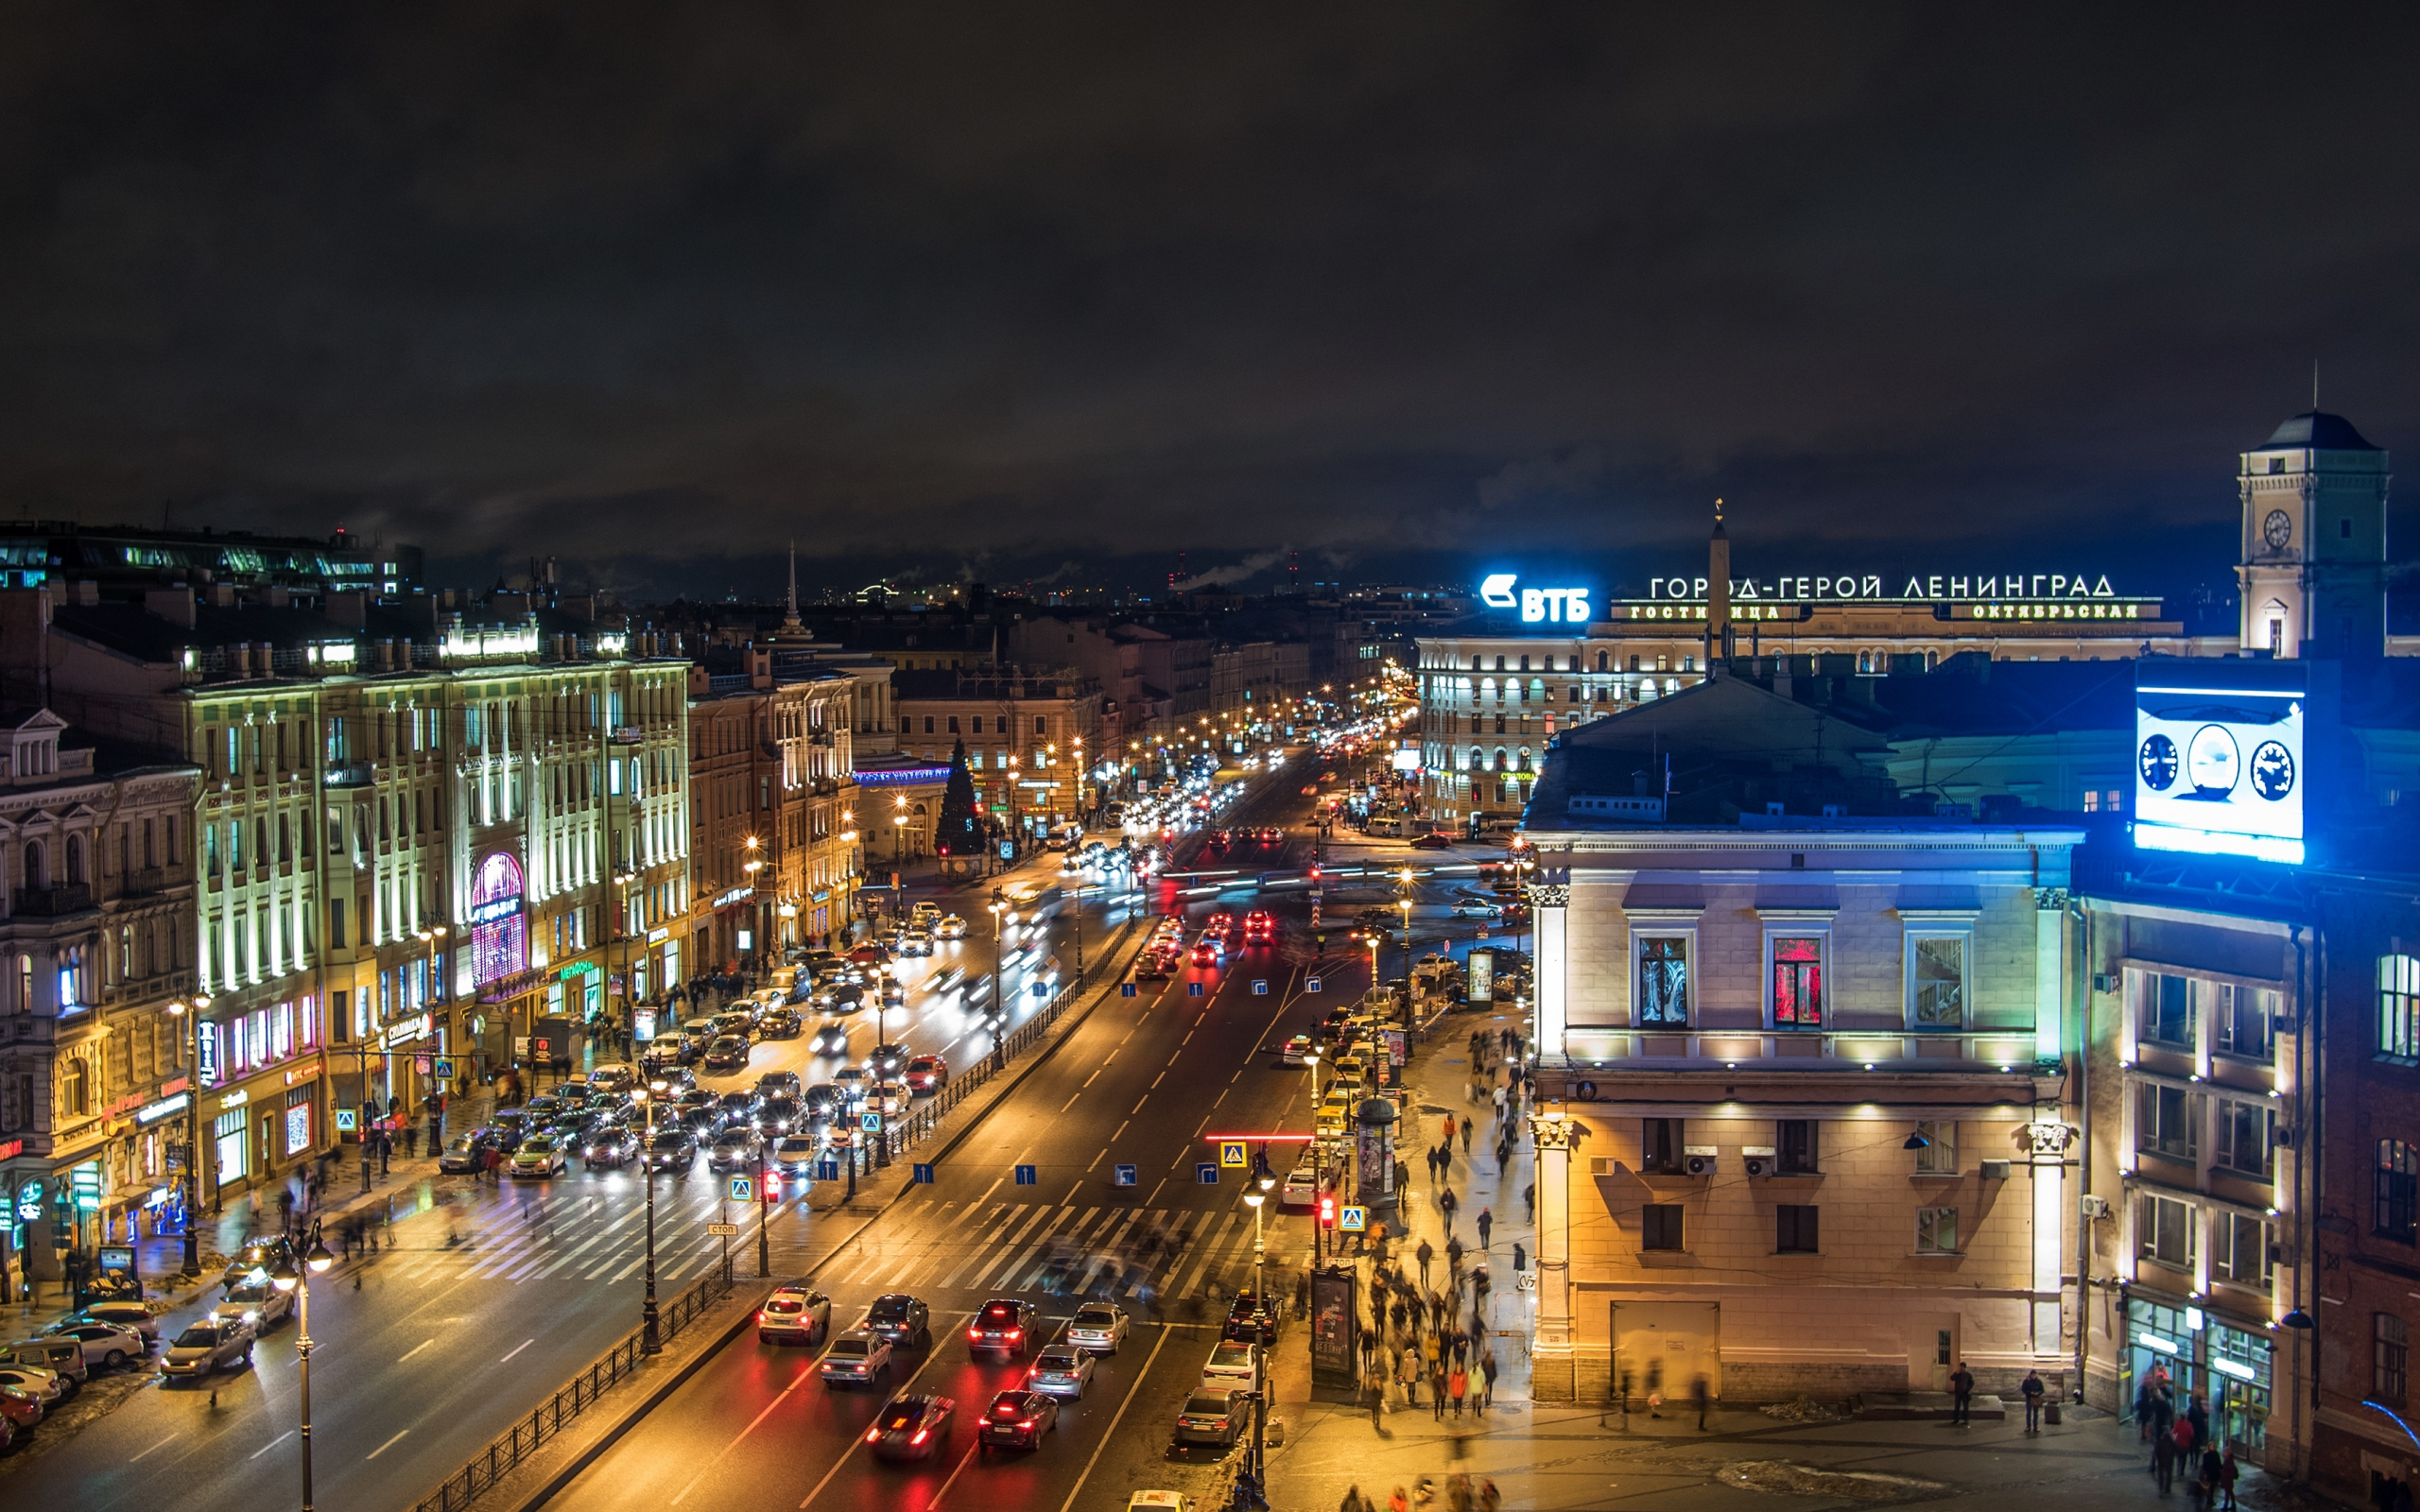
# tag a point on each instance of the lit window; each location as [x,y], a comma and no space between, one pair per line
[1798,982]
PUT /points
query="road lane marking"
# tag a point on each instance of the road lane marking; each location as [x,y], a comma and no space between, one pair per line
[988,1191]
[516,1349]
[1222,1095]
[1155,1083]
[156,1448]
[1088,1081]
[414,1349]
[964,1460]
[930,1355]
[1071,1193]
[797,1380]
[1138,1106]
[273,1443]
[387,1445]
[1121,1128]
[1111,1432]
[1155,1193]
[1071,1102]
[1097,1159]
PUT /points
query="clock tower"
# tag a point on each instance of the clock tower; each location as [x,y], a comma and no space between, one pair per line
[2313,577]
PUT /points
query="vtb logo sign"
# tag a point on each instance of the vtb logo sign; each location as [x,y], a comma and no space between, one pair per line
[1538,606]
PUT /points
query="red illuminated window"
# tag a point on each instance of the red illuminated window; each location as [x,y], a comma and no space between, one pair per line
[1798,982]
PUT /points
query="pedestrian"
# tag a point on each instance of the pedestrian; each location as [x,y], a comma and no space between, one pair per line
[385,1149]
[1961,1396]
[1459,1386]
[1454,1260]
[1467,1127]
[2163,1417]
[1530,1203]
[1449,1129]
[411,1141]
[1499,1105]
[2164,1461]
[2214,1470]
[2228,1471]
[1398,1503]
[1486,1221]
[1354,1500]
[1398,1313]
[1520,1258]
[1490,1499]
[1424,1254]
[285,1207]
[1437,1390]
[2143,1411]
[2033,1390]
[1699,1393]
[2198,1414]
[1448,1202]
[1487,1369]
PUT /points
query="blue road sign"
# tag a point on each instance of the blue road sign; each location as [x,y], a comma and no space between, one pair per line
[1310,984]
[1206,1173]
[1193,989]
[1127,1176]
[444,1067]
[1259,987]
[1125,990]
[743,1189]
[871,1123]
[827,1169]
[1027,1176]
[1041,989]
[924,1173]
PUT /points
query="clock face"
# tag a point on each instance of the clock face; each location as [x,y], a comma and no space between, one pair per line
[2277,529]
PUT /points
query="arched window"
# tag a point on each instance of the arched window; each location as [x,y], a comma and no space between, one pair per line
[1477,762]
[75,859]
[1501,763]
[1525,758]
[1603,663]
[37,867]
[1499,664]
[499,929]
[1525,664]
[1478,663]
[74,1088]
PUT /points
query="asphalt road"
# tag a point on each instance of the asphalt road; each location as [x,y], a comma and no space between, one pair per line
[487,1302]
[1145,1082]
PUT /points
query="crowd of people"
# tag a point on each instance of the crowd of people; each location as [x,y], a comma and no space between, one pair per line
[2182,1444]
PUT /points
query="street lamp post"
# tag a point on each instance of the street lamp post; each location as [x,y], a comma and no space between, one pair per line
[1000,915]
[193,1136]
[1268,1180]
[881,1046]
[288,1279]
[1311,1060]
[650,1321]
[433,937]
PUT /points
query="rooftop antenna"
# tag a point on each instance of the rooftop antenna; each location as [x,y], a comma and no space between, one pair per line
[2314,384]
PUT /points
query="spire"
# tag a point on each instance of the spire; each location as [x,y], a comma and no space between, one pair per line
[789,622]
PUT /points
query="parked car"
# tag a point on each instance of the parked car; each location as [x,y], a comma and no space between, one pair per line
[795,1313]
[856,1358]
[206,1346]
[1060,1370]
[47,1388]
[1211,1418]
[125,1315]
[63,1358]
[1017,1419]
[103,1344]
[19,1411]
[911,1427]
[1229,1367]
[1099,1327]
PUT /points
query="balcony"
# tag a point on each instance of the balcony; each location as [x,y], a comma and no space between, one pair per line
[52,902]
[359,773]
[144,882]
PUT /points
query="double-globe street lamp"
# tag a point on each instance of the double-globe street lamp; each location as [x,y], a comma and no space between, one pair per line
[650,1323]
[1265,1180]
[288,1278]
[1001,917]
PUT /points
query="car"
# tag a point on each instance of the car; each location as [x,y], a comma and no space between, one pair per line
[735,1107]
[132,1315]
[728,1052]
[1478,908]
[1017,1419]
[614,1076]
[206,1345]
[672,1149]
[780,1115]
[856,1358]
[1259,928]
[1302,1188]
[1060,1370]
[780,1024]
[949,926]
[258,1305]
[890,1096]
[911,1426]
[915,942]
[1099,1327]
[465,1154]
[1209,950]
[795,1313]
[734,1149]
[830,1038]
[870,954]
[1297,1050]
[47,1388]
[1162,1501]
[1229,1367]
[883,1062]
[694,1097]
[850,1084]
[735,1022]
[263,1254]
[19,1411]
[923,913]
[1432,841]
[1222,925]
[541,1155]
[103,1344]
[845,998]
[1006,1326]
[1250,1317]
[927,1073]
[794,1156]
[1157,964]
[612,1146]
[1211,1418]
[902,1319]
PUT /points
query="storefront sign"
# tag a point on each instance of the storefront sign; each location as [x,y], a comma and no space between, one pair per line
[10,1149]
[1538,606]
[236,1099]
[577,969]
[405,1031]
[496,909]
[657,936]
[164,1107]
[737,895]
[902,776]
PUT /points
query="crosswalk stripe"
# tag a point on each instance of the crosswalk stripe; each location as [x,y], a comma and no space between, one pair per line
[986,1254]
[1001,1272]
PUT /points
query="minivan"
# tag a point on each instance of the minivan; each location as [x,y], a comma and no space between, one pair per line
[65,1357]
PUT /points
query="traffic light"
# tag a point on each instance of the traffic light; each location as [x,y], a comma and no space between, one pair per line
[1327,1209]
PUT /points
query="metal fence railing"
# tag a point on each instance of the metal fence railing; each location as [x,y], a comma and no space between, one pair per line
[538,1428]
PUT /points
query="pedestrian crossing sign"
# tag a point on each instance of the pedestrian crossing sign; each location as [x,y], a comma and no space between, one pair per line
[923,1176]
[444,1067]
[1027,1176]
[871,1123]
[1353,1220]
[1259,987]
[1127,1176]
[1232,1154]
[743,1189]
[1205,1174]
[1125,990]
[1310,984]
[1193,989]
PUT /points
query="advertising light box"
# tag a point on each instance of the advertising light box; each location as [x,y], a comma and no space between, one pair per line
[2219,758]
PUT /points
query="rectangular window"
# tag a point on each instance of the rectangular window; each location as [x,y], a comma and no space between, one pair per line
[2390,1359]
[1664,979]
[1794,1228]
[1937,982]
[2399,1005]
[1659,1225]
[336,923]
[1798,982]
[1936,1231]
[2395,1192]
[2167,1009]
[1795,1146]
[2164,1231]
[2244,1015]
[2239,1249]
[2167,1120]
[1939,1157]
[2246,1131]
[1660,1146]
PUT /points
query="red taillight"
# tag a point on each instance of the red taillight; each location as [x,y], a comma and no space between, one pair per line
[1028,1422]
[916,1438]
[873,1435]
[1016,1335]
[975,1334]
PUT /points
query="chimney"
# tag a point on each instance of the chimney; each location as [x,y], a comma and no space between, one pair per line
[350,609]
[88,592]
[222,595]
[277,595]
[1717,593]
[175,605]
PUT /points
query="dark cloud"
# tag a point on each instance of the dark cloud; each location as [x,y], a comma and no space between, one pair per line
[995,288]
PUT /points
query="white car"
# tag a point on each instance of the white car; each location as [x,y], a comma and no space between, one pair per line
[1159,1502]
[1229,1367]
[257,1305]
[46,1386]
[1302,1188]
[103,1343]
[1099,1327]
[1060,1370]
[950,927]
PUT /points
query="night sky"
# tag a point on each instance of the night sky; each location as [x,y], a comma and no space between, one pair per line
[1049,293]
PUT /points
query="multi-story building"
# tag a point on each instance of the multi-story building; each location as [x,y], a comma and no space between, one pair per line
[97,882]
[1803,1086]
[1029,736]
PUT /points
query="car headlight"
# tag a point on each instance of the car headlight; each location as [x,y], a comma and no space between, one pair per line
[252,1315]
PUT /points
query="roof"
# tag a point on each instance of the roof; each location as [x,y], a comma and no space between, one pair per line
[2317,430]
[136,630]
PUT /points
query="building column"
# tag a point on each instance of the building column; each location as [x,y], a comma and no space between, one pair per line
[1553,1363]
[1550,910]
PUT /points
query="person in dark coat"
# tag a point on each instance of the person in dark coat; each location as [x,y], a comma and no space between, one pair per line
[2163,1460]
[1961,1396]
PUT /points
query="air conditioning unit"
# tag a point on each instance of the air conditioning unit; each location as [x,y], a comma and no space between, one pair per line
[2093,1206]
[1756,1159]
[2104,982]
[1995,1170]
[1699,1159]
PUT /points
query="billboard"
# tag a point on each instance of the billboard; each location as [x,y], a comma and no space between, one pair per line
[2219,758]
